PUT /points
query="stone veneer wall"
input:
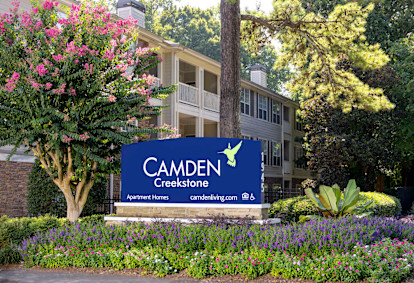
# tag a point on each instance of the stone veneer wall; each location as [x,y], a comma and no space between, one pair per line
[190,212]
[14,178]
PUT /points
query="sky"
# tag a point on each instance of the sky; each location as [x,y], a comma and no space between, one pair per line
[265,5]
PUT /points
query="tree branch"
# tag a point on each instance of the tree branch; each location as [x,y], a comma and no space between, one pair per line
[89,185]
[264,23]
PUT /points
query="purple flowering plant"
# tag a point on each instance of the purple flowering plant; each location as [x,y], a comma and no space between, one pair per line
[347,249]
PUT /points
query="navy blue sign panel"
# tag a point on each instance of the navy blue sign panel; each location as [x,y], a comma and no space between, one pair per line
[192,170]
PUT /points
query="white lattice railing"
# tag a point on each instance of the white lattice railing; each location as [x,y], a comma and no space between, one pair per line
[187,94]
[211,101]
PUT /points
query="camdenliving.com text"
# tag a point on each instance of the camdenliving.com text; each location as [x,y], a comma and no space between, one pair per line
[202,197]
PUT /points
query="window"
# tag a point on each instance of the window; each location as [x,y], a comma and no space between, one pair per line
[299,156]
[276,111]
[286,150]
[276,154]
[287,185]
[286,114]
[265,144]
[262,107]
[245,101]
[299,126]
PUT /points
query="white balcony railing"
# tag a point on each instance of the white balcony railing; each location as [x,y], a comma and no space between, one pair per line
[211,101]
[187,94]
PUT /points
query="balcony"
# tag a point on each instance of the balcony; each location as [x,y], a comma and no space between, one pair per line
[211,101]
[187,94]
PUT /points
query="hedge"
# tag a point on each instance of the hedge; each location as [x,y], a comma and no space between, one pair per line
[383,205]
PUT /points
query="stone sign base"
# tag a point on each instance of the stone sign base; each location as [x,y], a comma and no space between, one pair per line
[188,211]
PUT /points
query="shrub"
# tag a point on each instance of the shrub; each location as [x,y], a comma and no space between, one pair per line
[383,205]
[45,197]
[293,208]
[9,255]
[14,230]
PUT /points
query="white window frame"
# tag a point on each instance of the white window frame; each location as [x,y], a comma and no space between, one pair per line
[245,101]
[262,107]
[273,151]
[276,114]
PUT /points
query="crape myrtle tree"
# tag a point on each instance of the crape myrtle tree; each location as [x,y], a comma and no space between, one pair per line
[67,85]
[313,44]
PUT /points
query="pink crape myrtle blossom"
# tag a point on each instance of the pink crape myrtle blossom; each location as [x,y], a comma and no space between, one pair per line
[41,69]
[11,83]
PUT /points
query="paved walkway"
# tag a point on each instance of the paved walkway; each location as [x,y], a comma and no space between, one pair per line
[34,276]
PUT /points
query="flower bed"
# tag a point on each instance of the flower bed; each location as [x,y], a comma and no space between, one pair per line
[311,250]
[383,205]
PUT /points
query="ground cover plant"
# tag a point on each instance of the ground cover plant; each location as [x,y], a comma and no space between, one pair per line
[347,249]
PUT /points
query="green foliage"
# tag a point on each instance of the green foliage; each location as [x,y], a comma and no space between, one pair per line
[402,60]
[93,219]
[333,204]
[347,250]
[382,205]
[68,85]
[9,255]
[388,22]
[293,208]
[14,230]
[44,197]
[315,44]
[360,144]
[199,29]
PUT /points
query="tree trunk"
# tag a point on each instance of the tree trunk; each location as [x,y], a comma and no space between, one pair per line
[379,187]
[230,69]
[73,208]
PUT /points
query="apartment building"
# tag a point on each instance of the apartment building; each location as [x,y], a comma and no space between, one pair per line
[194,108]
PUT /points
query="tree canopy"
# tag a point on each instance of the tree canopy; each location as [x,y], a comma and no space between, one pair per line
[67,85]
[382,143]
[315,44]
[199,29]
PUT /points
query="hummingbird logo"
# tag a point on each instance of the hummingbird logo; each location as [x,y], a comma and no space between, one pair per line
[231,153]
